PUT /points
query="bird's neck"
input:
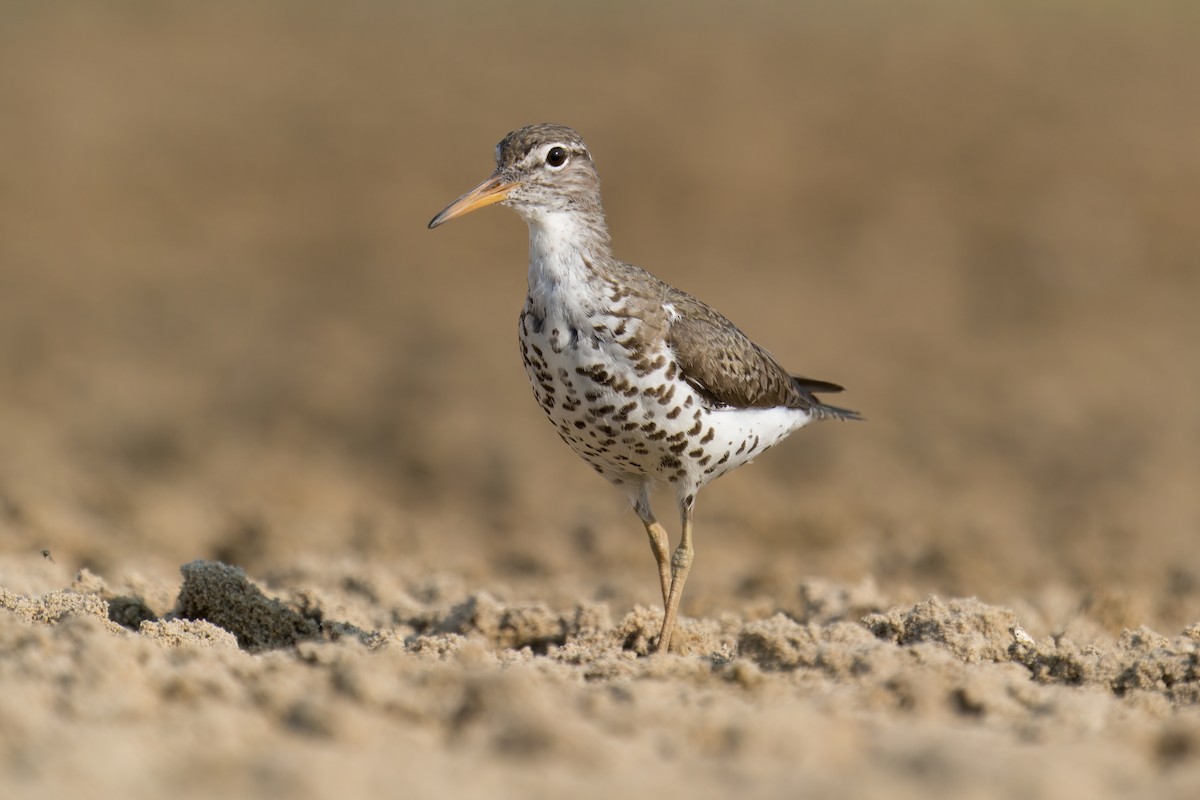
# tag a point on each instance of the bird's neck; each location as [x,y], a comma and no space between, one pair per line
[567,251]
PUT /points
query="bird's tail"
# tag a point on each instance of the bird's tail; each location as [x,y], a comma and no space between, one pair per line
[819,410]
[822,411]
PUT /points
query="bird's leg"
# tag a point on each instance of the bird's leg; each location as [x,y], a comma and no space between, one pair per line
[658,541]
[681,565]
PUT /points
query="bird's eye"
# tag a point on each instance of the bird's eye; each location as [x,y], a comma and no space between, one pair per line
[556,157]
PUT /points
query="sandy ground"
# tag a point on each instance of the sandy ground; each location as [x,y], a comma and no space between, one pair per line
[279,517]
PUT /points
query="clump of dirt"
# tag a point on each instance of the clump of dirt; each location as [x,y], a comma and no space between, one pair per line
[222,595]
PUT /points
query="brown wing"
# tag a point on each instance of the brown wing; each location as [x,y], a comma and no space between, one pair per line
[725,366]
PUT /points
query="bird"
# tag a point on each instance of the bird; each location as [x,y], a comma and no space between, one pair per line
[645,382]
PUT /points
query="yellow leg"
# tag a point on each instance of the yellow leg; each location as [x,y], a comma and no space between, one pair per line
[658,540]
[681,565]
[658,543]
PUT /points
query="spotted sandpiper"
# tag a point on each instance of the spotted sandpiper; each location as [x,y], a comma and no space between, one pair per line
[645,382]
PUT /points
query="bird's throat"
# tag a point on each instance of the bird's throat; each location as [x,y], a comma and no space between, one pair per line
[566,250]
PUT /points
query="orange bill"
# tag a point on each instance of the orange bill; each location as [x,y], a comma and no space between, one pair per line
[493,190]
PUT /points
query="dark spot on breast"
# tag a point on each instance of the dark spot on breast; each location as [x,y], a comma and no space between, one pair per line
[674,412]
[623,413]
[708,437]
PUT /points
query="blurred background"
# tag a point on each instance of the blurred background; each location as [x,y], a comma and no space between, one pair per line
[226,333]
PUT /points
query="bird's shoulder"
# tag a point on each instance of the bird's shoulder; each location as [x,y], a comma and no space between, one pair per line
[713,355]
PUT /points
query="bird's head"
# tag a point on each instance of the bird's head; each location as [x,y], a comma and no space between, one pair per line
[543,169]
